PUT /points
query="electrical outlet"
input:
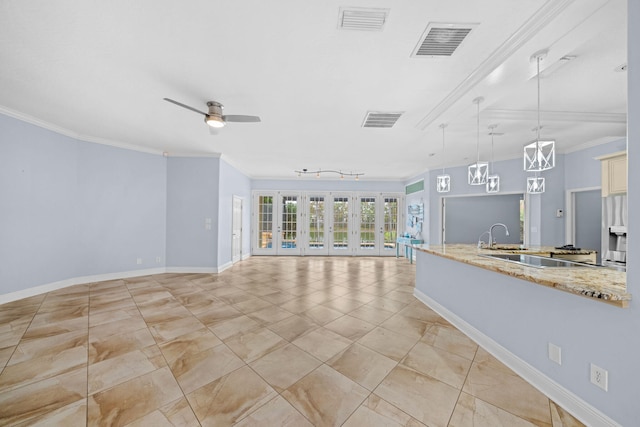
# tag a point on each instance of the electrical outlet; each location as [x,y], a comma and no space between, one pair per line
[158,260]
[555,353]
[139,261]
[599,377]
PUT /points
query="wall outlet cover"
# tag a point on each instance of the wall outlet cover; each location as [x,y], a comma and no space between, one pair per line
[599,377]
[555,353]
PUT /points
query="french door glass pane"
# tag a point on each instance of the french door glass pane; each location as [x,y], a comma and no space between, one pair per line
[390,222]
[289,222]
[367,223]
[316,223]
[341,223]
[265,222]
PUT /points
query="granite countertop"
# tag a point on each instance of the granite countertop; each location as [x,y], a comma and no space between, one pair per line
[600,283]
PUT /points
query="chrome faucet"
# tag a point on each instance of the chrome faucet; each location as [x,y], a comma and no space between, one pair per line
[491,232]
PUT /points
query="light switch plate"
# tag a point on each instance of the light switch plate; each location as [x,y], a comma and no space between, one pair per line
[555,353]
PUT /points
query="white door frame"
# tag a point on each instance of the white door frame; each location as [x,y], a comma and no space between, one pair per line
[236,229]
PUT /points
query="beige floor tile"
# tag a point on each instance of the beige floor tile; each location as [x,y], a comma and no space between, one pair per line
[116,327]
[51,329]
[376,412]
[231,327]
[30,349]
[74,414]
[174,414]
[254,344]
[452,340]
[424,398]
[188,344]
[172,329]
[133,399]
[277,412]
[116,345]
[362,365]
[297,363]
[322,315]
[37,400]
[473,412]
[251,305]
[325,397]
[388,343]
[43,367]
[195,370]
[114,371]
[439,364]
[322,343]
[371,314]
[270,315]
[350,327]
[387,304]
[216,315]
[293,327]
[408,326]
[504,389]
[562,418]
[230,398]
[270,310]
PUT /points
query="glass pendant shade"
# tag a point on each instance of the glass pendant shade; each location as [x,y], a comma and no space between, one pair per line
[535,185]
[493,184]
[477,173]
[443,183]
[540,155]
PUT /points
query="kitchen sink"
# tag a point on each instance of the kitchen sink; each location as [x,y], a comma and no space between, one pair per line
[538,261]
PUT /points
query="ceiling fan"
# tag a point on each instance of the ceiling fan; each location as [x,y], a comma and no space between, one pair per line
[214,117]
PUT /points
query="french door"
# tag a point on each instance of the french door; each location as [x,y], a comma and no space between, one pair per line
[277,224]
[376,224]
[325,223]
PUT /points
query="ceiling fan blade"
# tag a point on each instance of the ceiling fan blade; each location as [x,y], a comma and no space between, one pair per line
[180,104]
[242,119]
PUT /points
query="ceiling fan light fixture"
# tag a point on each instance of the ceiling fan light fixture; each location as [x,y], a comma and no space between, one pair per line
[214,121]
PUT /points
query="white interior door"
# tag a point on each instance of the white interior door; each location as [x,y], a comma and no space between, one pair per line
[390,219]
[236,232]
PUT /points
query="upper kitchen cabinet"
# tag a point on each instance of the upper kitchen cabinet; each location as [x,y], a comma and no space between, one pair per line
[614,173]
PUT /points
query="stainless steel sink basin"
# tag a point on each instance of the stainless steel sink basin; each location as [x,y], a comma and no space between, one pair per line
[538,261]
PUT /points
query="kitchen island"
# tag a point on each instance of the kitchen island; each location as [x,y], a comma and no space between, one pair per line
[599,283]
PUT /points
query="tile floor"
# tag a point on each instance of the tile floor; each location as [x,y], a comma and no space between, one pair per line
[272,341]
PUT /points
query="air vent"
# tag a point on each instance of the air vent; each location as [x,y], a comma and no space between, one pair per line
[377,119]
[355,18]
[441,39]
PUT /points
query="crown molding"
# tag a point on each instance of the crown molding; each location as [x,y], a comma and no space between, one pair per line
[555,116]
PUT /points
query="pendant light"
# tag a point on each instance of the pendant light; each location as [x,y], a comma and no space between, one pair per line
[443,181]
[540,154]
[493,180]
[477,172]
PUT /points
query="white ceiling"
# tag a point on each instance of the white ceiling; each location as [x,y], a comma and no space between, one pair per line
[98,70]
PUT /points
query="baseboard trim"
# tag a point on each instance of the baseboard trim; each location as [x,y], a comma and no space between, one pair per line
[200,270]
[223,267]
[49,287]
[580,409]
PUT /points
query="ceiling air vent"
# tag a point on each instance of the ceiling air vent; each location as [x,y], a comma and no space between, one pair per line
[441,39]
[378,119]
[356,18]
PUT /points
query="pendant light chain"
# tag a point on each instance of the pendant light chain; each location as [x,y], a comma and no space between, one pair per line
[538,78]
[478,133]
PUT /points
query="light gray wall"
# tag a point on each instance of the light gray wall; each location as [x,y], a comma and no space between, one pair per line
[72,208]
[582,170]
[192,197]
[310,183]
[466,218]
[233,183]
